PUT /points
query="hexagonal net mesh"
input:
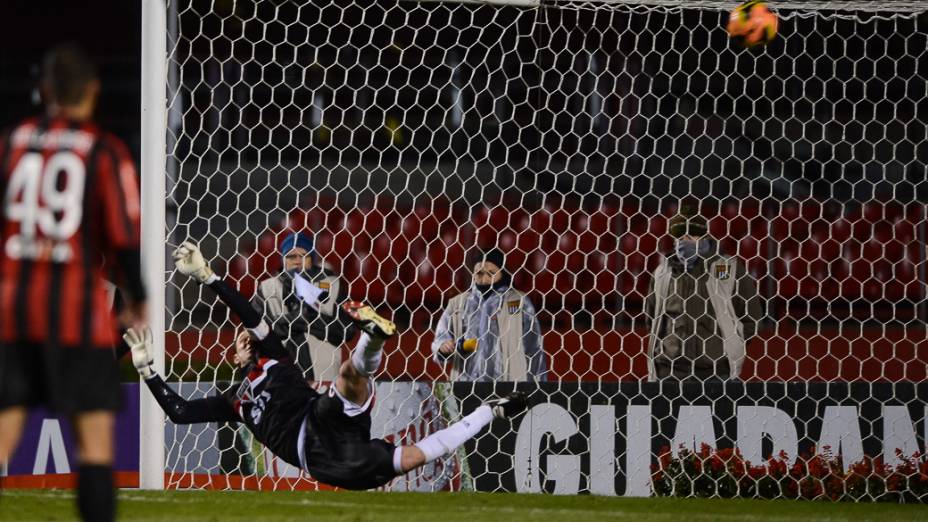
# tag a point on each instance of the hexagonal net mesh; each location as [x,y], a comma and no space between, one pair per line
[401,137]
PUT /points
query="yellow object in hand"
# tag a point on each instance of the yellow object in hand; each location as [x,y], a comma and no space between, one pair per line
[469,345]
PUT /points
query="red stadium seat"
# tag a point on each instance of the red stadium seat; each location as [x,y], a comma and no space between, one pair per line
[342,244]
[787,268]
[560,220]
[506,240]
[354,221]
[428,223]
[480,216]
[603,221]
[528,242]
[915,253]
[639,256]
[543,283]
[237,270]
[411,227]
[535,262]
[820,256]
[853,270]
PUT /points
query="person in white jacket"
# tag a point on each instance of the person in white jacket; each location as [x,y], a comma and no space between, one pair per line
[490,332]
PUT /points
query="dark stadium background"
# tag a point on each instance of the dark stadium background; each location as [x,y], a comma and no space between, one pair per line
[110,30]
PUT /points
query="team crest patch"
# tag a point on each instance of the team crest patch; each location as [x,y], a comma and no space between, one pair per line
[513,306]
[722,272]
[324,286]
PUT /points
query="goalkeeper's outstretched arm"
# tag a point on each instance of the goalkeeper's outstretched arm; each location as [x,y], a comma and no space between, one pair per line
[183,411]
[189,261]
[267,343]
[178,409]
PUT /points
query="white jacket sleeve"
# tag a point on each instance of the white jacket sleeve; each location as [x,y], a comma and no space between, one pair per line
[442,333]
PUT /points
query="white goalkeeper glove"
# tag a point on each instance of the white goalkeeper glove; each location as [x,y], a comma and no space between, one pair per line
[139,342]
[189,261]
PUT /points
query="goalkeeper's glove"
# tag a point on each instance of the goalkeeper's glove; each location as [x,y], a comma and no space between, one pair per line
[189,261]
[139,342]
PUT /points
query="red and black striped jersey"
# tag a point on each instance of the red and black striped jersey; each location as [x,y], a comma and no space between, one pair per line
[70,205]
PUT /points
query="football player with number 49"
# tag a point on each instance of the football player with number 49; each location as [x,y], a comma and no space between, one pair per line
[323,432]
[70,219]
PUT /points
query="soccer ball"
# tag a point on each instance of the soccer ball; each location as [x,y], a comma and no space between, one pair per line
[753,23]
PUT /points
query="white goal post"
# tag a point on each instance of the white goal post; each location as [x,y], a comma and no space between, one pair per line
[153,169]
[404,135]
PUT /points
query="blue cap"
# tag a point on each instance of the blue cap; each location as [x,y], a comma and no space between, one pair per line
[297,240]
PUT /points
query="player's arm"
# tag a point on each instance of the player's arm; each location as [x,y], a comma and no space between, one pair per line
[178,409]
[189,261]
[119,200]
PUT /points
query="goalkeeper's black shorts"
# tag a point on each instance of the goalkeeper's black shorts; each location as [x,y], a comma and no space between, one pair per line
[339,452]
[66,380]
[352,465]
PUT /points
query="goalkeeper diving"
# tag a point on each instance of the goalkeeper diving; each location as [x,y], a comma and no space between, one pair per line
[324,432]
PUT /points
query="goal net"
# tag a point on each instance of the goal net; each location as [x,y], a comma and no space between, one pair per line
[402,136]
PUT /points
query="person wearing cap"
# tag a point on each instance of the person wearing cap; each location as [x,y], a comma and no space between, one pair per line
[490,332]
[702,306]
[302,304]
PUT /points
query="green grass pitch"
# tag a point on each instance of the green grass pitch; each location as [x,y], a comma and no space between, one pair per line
[227,506]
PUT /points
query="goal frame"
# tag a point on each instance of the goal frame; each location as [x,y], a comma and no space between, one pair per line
[153,164]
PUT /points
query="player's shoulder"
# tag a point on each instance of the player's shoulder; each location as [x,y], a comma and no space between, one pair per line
[20,131]
[32,122]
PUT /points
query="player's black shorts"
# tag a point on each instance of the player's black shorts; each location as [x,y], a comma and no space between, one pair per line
[357,466]
[66,380]
[341,453]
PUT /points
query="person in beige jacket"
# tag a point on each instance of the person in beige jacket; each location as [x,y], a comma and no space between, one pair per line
[490,332]
[302,305]
[702,308]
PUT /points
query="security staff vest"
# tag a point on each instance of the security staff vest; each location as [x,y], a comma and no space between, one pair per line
[721,285]
[326,358]
[509,317]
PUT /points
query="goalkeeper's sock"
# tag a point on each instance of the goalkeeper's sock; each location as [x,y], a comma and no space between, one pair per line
[446,441]
[367,354]
[96,498]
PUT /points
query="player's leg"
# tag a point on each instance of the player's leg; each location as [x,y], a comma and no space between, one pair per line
[447,441]
[354,376]
[88,391]
[370,463]
[11,428]
[22,382]
[351,384]
[96,497]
